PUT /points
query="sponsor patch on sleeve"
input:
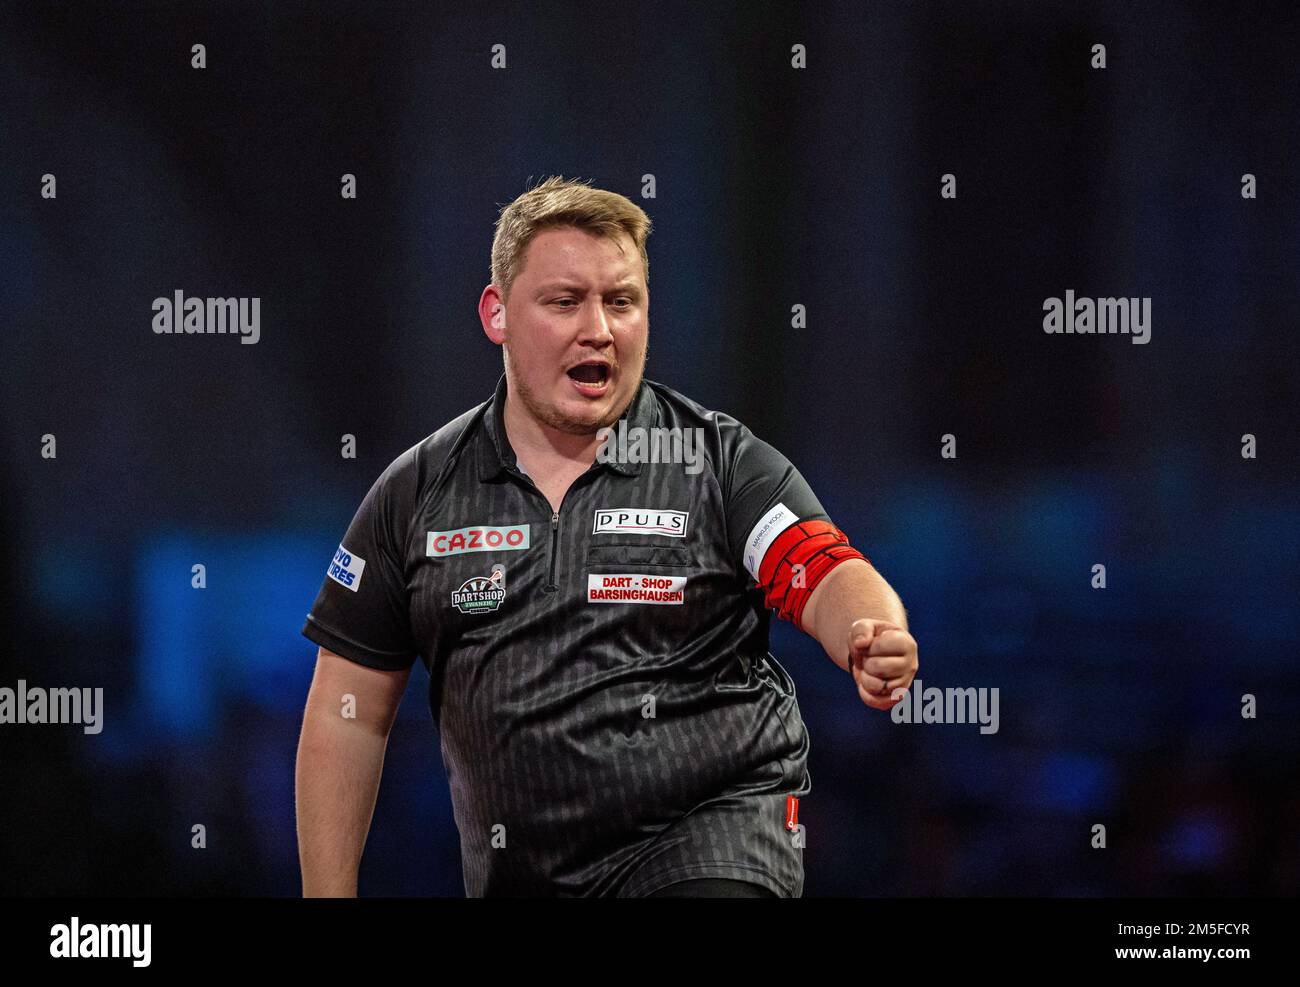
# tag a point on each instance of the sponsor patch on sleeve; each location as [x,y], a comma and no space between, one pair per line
[346,568]
[764,533]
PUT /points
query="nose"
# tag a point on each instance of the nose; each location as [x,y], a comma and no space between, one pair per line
[595,327]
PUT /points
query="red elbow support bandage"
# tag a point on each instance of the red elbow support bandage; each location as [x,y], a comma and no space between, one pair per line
[797,561]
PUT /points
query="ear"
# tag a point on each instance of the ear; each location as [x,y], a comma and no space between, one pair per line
[492,314]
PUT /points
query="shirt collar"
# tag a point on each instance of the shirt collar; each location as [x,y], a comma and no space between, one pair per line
[496,455]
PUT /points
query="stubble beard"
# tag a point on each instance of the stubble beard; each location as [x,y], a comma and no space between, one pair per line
[551,418]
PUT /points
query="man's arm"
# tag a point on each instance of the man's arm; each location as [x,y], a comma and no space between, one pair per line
[859,620]
[808,573]
[340,761]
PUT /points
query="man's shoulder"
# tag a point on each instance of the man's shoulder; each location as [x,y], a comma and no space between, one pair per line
[678,409]
[422,463]
[736,455]
[725,436]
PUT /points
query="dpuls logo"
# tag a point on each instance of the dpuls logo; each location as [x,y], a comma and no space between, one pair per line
[640,521]
[477,538]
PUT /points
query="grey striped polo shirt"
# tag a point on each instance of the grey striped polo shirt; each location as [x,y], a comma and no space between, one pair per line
[609,715]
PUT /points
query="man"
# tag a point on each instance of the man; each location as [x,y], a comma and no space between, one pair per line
[593,617]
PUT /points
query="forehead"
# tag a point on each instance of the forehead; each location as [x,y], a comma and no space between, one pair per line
[569,252]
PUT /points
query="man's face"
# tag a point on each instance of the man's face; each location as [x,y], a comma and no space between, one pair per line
[576,328]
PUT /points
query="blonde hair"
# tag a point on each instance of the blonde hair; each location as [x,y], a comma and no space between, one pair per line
[562,202]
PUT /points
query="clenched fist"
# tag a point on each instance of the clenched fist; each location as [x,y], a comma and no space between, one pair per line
[882,658]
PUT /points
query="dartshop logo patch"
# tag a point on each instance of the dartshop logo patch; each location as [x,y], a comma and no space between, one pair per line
[640,521]
[346,568]
[477,538]
[480,594]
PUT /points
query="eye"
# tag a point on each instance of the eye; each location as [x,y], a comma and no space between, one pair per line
[628,300]
[560,301]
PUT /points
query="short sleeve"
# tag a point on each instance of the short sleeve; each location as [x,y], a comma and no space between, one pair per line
[765,494]
[361,611]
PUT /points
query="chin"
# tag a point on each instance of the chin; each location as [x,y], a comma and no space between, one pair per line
[574,419]
[584,420]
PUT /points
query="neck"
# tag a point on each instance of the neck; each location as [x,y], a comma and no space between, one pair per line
[537,443]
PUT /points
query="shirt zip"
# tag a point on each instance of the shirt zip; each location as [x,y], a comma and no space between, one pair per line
[551,585]
[555,537]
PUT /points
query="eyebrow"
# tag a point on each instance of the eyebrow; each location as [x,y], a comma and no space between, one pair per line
[624,285]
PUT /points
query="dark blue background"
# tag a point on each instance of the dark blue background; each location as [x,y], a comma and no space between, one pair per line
[775,187]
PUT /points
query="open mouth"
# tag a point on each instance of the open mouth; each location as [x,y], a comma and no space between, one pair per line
[590,378]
